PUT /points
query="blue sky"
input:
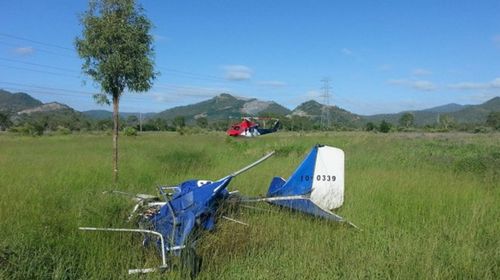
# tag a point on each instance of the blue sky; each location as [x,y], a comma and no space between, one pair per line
[380,56]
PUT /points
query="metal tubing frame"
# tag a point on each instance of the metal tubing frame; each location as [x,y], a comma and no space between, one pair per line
[163,257]
[236,173]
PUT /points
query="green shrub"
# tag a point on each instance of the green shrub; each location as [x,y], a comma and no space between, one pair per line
[130,131]
[482,129]
[369,126]
[181,130]
[385,127]
[28,129]
[61,130]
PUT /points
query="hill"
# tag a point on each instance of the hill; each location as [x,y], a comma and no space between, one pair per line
[98,114]
[15,102]
[338,116]
[225,106]
[51,116]
[448,108]
[477,113]
[22,109]
[46,108]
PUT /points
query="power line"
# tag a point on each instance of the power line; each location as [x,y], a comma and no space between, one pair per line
[45,87]
[40,65]
[70,70]
[180,73]
[172,71]
[189,74]
[199,76]
[164,86]
[53,90]
[170,88]
[44,92]
[175,72]
[34,41]
[39,71]
[41,50]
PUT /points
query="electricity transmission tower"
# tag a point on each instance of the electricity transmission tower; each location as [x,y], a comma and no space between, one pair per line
[325,110]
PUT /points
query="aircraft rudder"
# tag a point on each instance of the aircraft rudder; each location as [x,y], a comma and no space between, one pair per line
[276,184]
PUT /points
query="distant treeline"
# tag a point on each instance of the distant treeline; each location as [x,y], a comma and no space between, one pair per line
[61,122]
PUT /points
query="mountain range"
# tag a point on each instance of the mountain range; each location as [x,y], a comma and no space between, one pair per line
[459,113]
[225,106]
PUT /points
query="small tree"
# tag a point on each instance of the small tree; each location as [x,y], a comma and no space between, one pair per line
[117,51]
[160,124]
[369,126]
[179,122]
[104,124]
[493,120]
[4,121]
[202,122]
[132,121]
[446,121]
[385,126]
[407,120]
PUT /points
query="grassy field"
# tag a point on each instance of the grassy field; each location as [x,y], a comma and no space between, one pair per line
[428,206]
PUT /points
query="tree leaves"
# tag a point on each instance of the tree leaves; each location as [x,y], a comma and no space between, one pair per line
[116,46]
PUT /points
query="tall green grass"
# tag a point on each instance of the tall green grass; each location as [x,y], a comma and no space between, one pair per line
[428,206]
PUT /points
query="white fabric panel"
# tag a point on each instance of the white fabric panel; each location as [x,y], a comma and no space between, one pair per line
[250,133]
[328,185]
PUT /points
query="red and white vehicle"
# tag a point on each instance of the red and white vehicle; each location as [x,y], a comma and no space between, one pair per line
[249,128]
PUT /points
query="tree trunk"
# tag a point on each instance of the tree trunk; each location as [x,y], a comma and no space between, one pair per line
[116,125]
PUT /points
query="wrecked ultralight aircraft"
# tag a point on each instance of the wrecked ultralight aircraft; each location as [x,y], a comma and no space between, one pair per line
[174,219]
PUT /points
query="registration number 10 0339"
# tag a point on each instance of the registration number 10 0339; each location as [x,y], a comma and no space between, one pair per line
[319,177]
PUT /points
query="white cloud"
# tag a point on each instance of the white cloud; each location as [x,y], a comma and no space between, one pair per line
[237,72]
[160,97]
[494,84]
[424,85]
[24,51]
[347,51]
[272,84]
[421,72]
[420,85]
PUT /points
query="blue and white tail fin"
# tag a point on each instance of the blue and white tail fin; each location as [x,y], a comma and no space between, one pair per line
[315,187]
